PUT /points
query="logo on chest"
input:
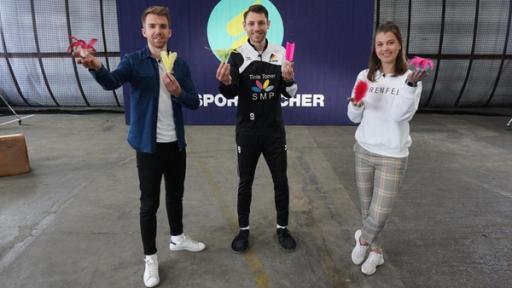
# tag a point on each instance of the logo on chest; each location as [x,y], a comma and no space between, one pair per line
[262,91]
[273,58]
[384,91]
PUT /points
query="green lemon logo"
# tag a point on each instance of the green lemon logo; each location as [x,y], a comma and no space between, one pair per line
[225,29]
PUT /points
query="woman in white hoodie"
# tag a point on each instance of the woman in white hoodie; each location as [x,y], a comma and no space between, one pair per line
[382,138]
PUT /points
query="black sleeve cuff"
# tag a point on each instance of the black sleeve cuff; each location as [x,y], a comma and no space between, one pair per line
[288,83]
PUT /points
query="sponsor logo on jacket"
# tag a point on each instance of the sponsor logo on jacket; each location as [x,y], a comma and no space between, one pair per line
[262,91]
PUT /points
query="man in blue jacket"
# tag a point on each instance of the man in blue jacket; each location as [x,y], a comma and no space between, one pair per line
[156,130]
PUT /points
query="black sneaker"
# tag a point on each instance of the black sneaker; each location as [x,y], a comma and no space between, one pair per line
[285,239]
[241,241]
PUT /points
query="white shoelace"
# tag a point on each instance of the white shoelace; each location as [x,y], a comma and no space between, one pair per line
[153,267]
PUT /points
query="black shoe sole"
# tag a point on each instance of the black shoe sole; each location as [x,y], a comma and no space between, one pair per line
[289,250]
[240,252]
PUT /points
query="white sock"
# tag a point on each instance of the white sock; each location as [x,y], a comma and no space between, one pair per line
[244,228]
[280,227]
[178,238]
[148,256]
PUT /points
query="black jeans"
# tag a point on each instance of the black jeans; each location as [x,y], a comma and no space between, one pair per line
[170,162]
[249,148]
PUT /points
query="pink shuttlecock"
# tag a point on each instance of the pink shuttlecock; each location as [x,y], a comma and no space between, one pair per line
[79,45]
[360,90]
[421,63]
[290,51]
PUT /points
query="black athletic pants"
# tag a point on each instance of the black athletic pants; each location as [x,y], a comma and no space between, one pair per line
[273,148]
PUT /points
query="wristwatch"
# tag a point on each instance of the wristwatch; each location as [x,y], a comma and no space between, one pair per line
[410,84]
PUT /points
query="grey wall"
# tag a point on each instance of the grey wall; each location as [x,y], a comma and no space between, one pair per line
[468,39]
[35,69]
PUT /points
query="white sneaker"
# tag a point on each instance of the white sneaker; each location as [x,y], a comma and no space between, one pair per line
[151,278]
[359,251]
[186,244]
[370,265]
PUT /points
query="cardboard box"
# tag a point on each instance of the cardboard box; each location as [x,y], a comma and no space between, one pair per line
[13,155]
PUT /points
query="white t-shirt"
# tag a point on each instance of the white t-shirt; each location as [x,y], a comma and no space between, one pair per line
[384,118]
[165,128]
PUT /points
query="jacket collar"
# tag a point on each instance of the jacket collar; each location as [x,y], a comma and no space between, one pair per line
[146,53]
[254,47]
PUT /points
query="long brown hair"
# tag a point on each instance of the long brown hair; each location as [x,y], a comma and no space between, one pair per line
[375,63]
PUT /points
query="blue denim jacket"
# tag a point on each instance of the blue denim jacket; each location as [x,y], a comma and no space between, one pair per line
[141,71]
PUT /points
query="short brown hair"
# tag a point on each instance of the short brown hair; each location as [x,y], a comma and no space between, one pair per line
[401,62]
[258,9]
[156,10]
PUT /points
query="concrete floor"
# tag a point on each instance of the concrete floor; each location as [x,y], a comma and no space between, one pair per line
[73,221]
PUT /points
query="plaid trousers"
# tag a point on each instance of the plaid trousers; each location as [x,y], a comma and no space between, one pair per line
[377,179]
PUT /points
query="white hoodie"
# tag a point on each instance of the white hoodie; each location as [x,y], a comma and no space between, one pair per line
[384,118]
